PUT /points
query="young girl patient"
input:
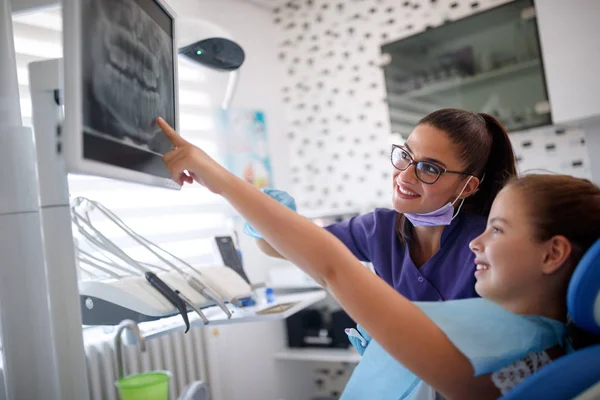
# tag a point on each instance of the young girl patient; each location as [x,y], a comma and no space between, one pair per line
[538,229]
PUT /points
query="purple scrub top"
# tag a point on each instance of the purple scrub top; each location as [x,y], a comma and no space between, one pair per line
[448,275]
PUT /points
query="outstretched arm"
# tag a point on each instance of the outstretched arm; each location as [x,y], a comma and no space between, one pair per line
[266,248]
[392,320]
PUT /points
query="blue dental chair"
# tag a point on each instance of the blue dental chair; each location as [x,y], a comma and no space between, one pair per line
[576,375]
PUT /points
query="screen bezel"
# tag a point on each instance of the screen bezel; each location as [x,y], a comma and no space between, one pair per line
[73,95]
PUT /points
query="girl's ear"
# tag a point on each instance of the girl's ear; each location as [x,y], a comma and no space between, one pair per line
[557,253]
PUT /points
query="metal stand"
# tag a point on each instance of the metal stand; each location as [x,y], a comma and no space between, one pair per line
[230,90]
[56,229]
[40,317]
[30,366]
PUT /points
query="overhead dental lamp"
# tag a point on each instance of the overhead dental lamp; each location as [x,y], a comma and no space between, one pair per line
[219,54]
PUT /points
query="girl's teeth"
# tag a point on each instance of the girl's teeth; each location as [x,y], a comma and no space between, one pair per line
[481,266]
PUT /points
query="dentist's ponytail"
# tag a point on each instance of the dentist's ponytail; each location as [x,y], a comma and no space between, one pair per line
[499,167]
[485,149]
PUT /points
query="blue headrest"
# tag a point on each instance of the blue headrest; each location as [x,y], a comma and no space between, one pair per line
[583,296]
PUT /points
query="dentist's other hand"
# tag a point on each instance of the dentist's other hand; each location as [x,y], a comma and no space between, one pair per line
[279,195]
[359,338]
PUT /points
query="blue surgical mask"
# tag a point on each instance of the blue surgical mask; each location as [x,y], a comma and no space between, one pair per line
[440,217]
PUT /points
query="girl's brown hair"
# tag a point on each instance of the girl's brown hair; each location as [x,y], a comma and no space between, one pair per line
[562,205]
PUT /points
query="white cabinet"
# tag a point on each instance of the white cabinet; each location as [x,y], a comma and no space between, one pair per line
[570,40]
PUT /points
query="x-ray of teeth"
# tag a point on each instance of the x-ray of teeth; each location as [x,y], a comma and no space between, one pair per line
[127,73]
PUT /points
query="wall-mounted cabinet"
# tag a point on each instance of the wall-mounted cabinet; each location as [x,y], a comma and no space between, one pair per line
[570,41]
[489,62]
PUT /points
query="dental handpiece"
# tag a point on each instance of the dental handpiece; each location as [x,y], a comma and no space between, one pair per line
[208,293]
[170,295]
[193,307]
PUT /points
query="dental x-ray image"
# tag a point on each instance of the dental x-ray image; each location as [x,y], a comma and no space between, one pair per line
[128,77]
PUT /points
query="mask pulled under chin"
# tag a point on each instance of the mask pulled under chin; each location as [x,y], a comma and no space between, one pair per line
[440,217]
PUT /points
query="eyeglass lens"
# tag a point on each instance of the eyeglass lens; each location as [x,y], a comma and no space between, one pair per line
[425,171]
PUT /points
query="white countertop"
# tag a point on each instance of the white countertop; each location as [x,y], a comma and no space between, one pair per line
[216,316]
[349,355]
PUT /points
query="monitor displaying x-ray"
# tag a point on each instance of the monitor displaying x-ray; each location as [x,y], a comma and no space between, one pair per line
[122,54]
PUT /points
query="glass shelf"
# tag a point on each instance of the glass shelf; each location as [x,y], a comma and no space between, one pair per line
[464,82]
[489,62]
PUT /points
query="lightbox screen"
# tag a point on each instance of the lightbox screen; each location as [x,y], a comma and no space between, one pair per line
[128,80]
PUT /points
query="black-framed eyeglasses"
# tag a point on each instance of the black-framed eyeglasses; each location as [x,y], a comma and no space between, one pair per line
[426,171]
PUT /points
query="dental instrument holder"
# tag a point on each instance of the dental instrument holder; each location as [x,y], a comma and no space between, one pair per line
[38,268]
[45,234]
[219,54]
[103,303]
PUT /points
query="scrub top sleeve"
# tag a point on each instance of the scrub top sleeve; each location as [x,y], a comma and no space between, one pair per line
[355,233]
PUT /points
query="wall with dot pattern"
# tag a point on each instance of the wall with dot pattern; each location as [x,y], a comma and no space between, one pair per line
[334,99]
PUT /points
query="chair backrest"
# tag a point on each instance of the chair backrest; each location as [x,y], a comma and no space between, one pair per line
[573,374]
[583,296]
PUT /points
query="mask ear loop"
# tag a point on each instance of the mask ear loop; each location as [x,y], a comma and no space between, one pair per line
[457,211]
[463,200]
[480,182]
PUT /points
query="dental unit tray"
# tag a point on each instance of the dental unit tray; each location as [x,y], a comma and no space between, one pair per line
[114,286]
[109,302]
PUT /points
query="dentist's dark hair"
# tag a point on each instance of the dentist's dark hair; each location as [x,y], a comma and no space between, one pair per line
[484,148]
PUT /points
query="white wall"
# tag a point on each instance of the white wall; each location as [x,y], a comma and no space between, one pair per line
[337,120]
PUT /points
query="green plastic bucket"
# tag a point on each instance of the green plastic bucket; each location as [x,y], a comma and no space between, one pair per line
[147,386]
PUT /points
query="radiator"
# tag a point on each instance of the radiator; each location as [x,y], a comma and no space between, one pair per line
[179,353]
